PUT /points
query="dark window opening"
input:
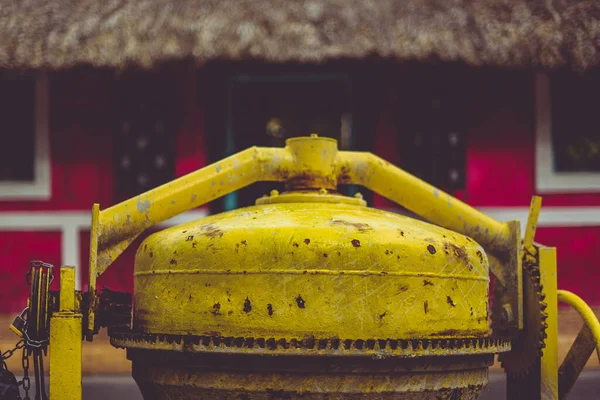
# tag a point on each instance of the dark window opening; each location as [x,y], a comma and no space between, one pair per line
[575,132]
[17,131]
[147,110]
[431,123]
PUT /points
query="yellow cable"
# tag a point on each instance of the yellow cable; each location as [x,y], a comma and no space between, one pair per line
[589,318]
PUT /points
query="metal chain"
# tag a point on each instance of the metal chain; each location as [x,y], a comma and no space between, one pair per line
[26,382]
[8,353]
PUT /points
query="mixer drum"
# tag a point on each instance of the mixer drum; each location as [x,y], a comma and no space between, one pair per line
[310,296]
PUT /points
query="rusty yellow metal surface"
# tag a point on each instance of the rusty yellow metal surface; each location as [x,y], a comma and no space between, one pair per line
[305,163]
[93,271]
[326,270]
[309,264]
[65,342]
[168,375]
[549,360]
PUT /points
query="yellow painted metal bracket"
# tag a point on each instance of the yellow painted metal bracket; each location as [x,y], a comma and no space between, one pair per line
[65,342]
[549,359]
[306,163]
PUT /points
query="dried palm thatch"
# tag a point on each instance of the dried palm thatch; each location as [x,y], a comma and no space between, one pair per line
[117,33]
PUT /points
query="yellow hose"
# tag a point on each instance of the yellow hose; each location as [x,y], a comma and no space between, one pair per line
[589,318]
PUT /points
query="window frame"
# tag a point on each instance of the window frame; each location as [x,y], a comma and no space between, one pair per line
[40,187]
[547,179]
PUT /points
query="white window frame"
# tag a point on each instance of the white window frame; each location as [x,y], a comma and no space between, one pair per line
[547,180]
[40,187]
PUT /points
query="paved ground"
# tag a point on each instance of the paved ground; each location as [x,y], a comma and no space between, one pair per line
[124,388]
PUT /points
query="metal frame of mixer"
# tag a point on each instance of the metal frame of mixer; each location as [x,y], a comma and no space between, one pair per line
[316,164]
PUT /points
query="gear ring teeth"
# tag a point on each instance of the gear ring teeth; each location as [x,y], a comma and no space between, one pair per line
[527,348]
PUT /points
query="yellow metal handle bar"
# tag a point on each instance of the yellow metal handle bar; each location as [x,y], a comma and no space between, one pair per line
[423,199]
[305,163]
[589,318]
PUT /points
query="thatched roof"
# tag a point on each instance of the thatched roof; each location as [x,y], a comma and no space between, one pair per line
[63,33]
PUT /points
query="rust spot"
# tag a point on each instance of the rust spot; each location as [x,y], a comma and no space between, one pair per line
[173,261]
[431,249]
[305,180]
[355,242]
[189,238]
[403,288]
[270,309]
[325,255]
[362,227]
[458,252]
[480,255]
[194,244]
[229,312]
[401,232]
[151,254]
[471,311]
[306,241]
[244,243]
[300,301]
[247,305]
[295,244]
[427,283]
[450,332]
[211,231]
[216,309]
[382,315]
[145,247]
[426,307]
[344,175]
[450,301]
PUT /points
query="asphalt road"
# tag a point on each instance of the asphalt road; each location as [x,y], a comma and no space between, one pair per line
[124,388]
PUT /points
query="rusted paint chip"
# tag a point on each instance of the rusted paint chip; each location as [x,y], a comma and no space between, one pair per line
[247,305]
[300,301]
[450,301]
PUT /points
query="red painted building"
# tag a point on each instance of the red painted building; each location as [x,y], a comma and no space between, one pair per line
[97,130]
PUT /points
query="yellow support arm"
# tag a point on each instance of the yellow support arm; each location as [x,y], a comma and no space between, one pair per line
[423,199]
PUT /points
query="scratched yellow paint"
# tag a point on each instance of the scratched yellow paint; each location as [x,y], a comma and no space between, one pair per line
[65,342]
[305,163]
[293,270]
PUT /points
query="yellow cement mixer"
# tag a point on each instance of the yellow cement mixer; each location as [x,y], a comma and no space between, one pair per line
[310,294]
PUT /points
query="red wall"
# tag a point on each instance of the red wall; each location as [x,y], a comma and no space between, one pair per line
[81,146]
[500,165]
